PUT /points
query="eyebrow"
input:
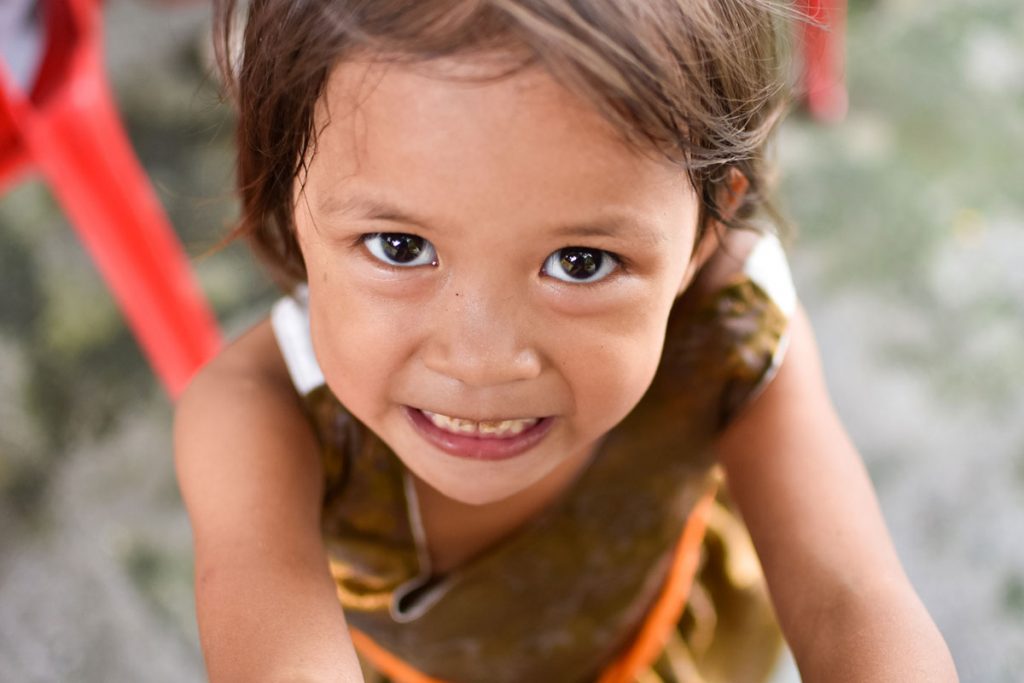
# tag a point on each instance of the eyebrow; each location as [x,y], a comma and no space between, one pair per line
[613,224]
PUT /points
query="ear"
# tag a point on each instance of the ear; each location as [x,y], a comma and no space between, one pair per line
[731,195]
[729,199]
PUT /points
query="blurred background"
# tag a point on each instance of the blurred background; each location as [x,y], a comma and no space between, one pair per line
[909,257]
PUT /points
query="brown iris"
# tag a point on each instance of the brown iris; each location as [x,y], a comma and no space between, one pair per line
[580,263]
[402,248]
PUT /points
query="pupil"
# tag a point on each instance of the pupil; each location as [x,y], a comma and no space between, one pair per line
[402,248]
[580,263]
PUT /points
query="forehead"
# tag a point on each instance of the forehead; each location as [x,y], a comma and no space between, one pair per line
[445,137]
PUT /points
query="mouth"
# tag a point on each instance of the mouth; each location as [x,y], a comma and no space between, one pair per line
[479,440]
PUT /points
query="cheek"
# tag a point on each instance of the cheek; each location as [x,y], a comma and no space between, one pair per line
[611,375]
[358,348]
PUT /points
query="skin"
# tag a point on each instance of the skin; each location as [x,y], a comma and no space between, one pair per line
[490,175]
[486,333]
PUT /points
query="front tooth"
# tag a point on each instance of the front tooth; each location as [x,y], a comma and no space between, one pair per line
[449,423]
[452,424]
[505,427]
[437,418]
[490,427]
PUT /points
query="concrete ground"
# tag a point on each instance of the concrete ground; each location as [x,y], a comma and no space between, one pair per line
[911,233]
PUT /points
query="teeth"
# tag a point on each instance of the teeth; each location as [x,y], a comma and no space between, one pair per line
[488,428]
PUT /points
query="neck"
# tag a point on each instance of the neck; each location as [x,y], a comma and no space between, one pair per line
[457,531]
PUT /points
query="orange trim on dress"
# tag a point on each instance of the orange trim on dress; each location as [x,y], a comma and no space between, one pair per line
[649,642]
[385,662]
[655,631]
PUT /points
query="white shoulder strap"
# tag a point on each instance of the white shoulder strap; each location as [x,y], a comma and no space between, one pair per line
[767,266]
[290,319]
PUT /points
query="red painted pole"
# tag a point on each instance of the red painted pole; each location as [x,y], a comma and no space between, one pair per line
[823,47]
[76,140]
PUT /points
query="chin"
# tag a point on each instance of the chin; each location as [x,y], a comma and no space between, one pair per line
[475,489]
[474,494]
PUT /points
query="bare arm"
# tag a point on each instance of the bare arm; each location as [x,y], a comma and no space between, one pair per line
[249,473]
[844,603]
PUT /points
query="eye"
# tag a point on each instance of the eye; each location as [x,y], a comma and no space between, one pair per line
[580,264]
[400,249]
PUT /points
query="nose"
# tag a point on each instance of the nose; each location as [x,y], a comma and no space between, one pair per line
[482,338]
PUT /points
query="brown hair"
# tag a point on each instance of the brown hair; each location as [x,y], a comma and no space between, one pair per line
[698,82]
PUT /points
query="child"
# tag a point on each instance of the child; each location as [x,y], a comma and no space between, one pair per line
[532,314]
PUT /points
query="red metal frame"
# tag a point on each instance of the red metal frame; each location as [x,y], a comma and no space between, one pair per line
[822,41]
[67,128]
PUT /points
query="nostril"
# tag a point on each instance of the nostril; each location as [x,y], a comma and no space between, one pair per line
[484,367]
[480,341]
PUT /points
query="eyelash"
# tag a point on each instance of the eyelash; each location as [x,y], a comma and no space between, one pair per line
[618,265]
[372,244]
[621,265]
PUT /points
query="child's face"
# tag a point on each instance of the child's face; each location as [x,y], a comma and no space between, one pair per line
[459,242]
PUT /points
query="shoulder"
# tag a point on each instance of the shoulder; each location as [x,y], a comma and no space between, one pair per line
[241,421]
[815,521]
[729,253]
[797,397]
[745,296]
[756,255]
[250,476]
[248,376]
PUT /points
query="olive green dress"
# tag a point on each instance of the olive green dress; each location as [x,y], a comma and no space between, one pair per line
[576,594]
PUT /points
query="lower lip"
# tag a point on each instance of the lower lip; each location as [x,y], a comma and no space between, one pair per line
[478,447]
